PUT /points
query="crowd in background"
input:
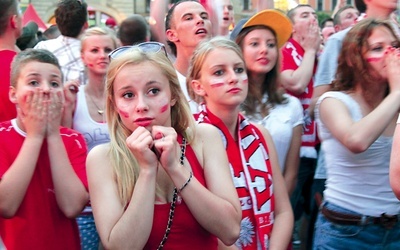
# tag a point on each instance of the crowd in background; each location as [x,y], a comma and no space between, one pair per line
[276,131]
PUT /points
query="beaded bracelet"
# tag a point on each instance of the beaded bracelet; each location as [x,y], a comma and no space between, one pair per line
[186,183]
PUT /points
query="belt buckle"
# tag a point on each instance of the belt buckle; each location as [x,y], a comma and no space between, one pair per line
[388,221]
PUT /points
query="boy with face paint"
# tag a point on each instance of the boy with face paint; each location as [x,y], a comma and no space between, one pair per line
[43,183]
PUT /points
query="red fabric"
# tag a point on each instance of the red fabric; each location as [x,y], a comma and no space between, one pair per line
[7,108]
[30,14]
[204,2]
[186,232]
[256,221]
[111,22]
[292,54]
[39,223]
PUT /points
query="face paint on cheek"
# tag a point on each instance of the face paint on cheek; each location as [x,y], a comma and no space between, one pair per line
[216,83]
[245,80]
[164,108]
[27,97]
[123,113]
[374,59]
[165,104]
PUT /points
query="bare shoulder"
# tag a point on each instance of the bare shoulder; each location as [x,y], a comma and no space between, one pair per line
[206,131]
[98,156]
[207,139]
[99,150]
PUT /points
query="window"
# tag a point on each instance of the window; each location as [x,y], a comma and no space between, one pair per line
[148,6]
[320,5]
[246,4]
[334,2]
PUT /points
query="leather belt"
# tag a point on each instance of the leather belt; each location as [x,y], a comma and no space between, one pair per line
[386,221]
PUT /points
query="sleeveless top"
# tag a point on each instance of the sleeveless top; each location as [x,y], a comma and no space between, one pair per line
[186,232]
[95,133]
[357,181]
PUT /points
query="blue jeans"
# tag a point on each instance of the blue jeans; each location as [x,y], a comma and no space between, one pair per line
[88,233]
[332,236]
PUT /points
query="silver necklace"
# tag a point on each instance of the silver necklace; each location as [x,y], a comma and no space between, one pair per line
[99,110]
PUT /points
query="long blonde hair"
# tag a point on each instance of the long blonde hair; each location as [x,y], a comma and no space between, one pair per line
[125,166]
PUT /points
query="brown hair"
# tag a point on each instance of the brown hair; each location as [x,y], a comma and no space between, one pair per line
[352,67]
[269,87]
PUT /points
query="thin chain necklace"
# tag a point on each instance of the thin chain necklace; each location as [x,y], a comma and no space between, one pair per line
[99,110]
[173,203]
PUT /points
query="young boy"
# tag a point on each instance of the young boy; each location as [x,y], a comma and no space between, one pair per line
[42,165]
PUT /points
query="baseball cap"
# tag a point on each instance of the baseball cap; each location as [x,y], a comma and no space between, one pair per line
[273,19]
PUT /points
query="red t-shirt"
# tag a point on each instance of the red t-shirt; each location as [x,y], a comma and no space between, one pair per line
[39,223]
[292,55]
[7,108]
[186,232]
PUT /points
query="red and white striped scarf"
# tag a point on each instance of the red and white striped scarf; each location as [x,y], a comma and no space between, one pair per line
[255,166]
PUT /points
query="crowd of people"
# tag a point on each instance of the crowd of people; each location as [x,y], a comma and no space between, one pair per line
[199,131]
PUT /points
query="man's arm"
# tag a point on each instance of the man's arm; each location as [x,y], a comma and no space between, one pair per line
[297,80]
[326,70]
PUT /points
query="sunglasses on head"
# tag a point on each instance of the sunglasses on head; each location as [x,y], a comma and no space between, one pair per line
[146,47]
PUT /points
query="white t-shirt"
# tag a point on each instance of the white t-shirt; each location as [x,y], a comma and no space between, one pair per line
[194,107]
[280,122]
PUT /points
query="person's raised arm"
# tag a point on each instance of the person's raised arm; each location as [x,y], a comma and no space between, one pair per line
[358,136]
[326,70]
[71,194]
[122,227]
[264,4]
[339,4]
[16,179]
[395,162]
[296,81]
[158,10]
